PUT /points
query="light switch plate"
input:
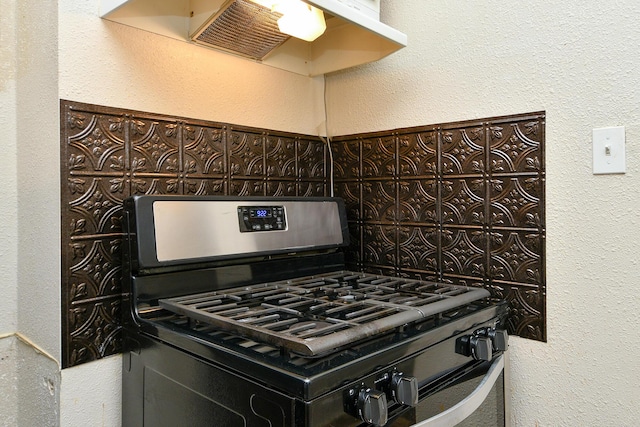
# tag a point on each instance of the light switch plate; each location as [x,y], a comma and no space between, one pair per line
[608,150]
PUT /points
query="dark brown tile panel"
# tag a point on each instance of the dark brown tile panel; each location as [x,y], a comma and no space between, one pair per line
[467,203]
[94,330]
[463,150]
[379,201]
[460,202]
[419,248]
[246,153]
[464,252]
[515,201]
[310,159]
[417,153]
[346,160]
[350,193]
[527,308]
[204,151]
[281,188]
[378,156]
[418,201]
[516,256]
[379,245]
[312,188]
[463,201]
[108,154]
[516,147]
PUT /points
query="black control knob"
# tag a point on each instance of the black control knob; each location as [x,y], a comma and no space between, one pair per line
[481,348]
[404,389]
[499,338]
[372,406]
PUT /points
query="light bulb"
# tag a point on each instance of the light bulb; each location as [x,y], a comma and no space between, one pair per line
[298,19]
[301,20]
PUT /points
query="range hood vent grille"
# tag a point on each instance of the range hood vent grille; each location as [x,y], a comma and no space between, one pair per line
[354,34]
[244,28]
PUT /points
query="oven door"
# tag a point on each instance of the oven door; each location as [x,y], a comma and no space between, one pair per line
[478,399]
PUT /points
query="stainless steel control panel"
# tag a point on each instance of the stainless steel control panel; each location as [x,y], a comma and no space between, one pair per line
[190,229]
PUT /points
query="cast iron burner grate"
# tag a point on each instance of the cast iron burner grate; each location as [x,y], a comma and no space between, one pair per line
[315,315]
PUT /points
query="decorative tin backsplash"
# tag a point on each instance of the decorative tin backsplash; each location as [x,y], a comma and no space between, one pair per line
[108,154]
[459,202]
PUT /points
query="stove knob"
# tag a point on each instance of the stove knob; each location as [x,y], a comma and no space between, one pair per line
[404,389]
[499,338]
[481,348]
[372,406]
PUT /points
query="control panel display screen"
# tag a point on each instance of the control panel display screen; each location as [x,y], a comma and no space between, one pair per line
[260,213]
[262,218]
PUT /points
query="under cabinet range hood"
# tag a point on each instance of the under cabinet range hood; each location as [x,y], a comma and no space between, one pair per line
[255,29]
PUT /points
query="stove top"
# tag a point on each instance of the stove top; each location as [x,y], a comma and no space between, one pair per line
[309,377]
[319,314]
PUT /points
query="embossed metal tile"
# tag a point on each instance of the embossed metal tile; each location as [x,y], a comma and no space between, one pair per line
[463,150]
[378,157]
[465,202]
[418,201]
[346,160]
[108,154]
[459,202]
[418,153]
[516,146]
[419,248]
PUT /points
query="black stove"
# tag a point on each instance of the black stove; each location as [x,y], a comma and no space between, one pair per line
[241,312]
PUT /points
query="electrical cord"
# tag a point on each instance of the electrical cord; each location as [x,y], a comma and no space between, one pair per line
[327,141]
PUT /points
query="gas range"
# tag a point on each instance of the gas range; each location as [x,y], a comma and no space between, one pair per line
[249,298]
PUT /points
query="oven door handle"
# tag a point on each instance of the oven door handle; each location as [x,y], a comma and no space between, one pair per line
[469,404]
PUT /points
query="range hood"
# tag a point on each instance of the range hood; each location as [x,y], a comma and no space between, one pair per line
[354,34]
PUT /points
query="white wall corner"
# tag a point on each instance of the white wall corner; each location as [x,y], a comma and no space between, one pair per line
[38,176]
[8,381]
[30,384]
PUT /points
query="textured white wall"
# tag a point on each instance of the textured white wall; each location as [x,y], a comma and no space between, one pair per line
[8,381]
[8,171]
[38,387]
[91,394]
[30,226]
[578,61]
[29,384]
[38,174]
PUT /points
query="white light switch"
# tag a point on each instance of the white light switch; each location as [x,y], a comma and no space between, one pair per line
[608,150]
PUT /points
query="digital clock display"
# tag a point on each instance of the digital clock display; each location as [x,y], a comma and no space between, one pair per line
[261,213]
